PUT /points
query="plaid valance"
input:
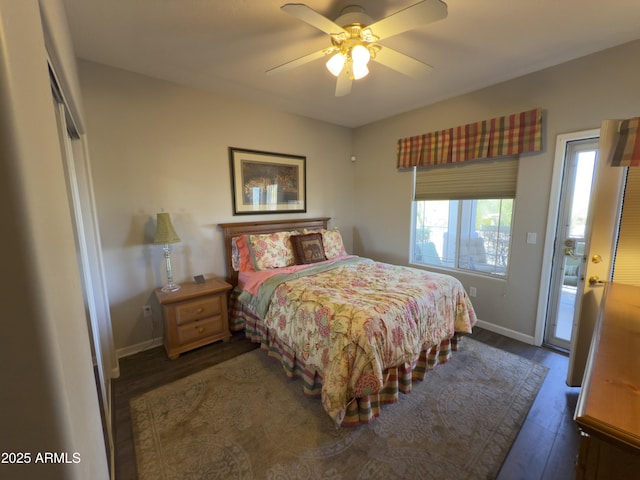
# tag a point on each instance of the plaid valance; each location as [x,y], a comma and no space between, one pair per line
[511,135]
[620,142]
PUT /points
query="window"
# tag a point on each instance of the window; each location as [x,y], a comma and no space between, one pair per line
[462,216]
[466,234]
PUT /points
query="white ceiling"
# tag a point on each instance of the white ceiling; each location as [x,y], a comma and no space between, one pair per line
[227,45]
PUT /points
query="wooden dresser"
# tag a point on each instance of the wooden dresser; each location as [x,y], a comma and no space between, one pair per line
[608,411]
[194,316]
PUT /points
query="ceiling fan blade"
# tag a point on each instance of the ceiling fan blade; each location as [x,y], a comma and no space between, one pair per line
[299,61]
[343,85]
[402,63]
[313,18]
[411,17]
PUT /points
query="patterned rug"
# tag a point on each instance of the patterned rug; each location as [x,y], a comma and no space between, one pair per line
[243,419]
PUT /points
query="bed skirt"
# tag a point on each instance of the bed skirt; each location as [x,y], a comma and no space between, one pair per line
[359,410]
[236,312]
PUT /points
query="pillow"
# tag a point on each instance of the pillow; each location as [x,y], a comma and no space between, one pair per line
[240,255]
[308,248]
[332,241]
[235,255]
[333,246]
[271,250]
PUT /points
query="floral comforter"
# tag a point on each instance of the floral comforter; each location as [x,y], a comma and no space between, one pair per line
[354,318]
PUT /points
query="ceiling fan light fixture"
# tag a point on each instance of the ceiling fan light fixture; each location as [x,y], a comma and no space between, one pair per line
[336,63]
[354,36]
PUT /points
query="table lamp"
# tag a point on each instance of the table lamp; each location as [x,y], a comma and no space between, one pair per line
[166,235]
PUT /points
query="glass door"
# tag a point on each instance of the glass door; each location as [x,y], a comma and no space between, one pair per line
[572,233]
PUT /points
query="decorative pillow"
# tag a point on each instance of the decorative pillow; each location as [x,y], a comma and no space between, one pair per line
[271,250]
[333,246]
[308,248]
[332,241]
[240,255]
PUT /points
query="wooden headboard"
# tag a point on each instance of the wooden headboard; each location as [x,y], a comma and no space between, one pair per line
[232,230]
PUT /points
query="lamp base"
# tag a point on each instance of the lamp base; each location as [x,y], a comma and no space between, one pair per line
[171,287]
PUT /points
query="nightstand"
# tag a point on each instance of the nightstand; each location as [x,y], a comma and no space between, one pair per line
[194,316]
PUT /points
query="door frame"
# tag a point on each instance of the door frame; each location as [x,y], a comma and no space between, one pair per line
[552,223]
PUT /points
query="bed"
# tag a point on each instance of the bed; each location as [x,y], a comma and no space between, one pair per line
[357,332]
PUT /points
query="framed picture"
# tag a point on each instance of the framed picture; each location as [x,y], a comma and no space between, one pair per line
[265,182]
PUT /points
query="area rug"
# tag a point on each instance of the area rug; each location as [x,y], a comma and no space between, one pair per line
[242,419]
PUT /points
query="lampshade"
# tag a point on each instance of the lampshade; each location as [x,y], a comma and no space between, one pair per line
[336,63]
[360,55]
[165,232]
[359,71]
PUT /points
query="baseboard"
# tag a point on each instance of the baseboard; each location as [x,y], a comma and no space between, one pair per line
[528,339]
[138,347]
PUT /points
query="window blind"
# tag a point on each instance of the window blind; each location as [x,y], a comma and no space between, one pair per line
[469,181]
[627,262]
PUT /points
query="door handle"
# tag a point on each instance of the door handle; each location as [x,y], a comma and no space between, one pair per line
[594,281]
[569,253]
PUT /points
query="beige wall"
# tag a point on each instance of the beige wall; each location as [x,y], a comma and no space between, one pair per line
[154,145]
[575,96]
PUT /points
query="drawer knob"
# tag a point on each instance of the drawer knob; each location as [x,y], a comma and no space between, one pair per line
[200,329]
[200,310]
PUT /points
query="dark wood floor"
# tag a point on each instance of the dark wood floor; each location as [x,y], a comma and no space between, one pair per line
[547,444]
[545,448]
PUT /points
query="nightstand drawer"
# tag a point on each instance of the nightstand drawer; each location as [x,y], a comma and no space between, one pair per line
[200,329]
[198,309]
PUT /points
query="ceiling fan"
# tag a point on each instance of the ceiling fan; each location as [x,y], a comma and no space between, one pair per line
[354,40]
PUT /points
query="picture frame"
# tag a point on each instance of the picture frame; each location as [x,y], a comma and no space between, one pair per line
[267,182]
